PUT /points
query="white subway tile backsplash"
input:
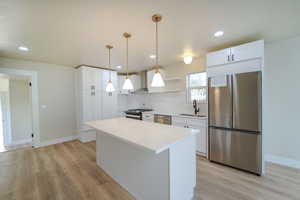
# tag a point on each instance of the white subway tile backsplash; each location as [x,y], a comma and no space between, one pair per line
[161,102]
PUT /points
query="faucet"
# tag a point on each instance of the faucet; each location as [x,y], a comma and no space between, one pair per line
[196,108]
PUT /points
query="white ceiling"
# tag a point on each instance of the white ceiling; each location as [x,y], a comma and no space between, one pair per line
[73,32]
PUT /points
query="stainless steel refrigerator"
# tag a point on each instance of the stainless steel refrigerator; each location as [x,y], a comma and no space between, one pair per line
[235,137]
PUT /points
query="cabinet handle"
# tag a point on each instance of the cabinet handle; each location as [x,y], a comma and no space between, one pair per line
[232,57]
[228,58]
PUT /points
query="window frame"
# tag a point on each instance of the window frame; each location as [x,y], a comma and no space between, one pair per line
[188,88]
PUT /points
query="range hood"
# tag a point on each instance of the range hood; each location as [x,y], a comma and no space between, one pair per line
[144,83]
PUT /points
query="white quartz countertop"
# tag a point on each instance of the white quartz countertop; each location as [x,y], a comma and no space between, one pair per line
[150,136]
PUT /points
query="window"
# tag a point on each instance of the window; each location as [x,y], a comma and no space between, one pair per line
[197,87]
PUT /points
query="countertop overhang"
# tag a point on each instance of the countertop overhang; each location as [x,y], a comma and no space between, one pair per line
[150,136]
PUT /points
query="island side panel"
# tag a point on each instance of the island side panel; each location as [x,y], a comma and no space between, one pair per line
[183,169]
[145,175]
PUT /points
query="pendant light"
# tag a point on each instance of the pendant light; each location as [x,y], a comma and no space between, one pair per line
[110,87]
[157,80]
[127,83]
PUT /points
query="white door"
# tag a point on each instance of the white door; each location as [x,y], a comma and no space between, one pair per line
[109,99]
[247,51]
[218,57]
[5,131]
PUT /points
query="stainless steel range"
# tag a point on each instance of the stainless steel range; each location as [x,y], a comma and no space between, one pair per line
[136,113]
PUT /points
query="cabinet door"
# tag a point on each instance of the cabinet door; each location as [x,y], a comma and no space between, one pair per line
[89,105]
[109,99]
[247,51]
[90,78]
[201,138]
[218,57]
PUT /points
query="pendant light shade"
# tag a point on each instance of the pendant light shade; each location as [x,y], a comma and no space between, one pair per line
[127,83]
[157,80]
[110,87]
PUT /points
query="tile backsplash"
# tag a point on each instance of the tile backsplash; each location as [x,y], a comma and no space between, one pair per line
[160,102]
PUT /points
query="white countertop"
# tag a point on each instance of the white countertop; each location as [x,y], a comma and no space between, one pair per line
[150,136]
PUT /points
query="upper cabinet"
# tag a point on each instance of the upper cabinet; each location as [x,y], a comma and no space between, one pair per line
[218,57]
[239,53]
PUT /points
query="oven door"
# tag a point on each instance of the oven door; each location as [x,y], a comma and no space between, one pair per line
[134,116]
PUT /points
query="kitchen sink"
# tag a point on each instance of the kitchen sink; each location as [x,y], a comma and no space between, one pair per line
[192,115]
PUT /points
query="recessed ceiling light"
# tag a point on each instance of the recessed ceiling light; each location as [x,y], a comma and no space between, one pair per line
[23,48]
[152,56]
[119,67]
[219,33]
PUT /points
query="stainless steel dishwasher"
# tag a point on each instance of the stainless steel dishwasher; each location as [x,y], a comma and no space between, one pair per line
[163,119]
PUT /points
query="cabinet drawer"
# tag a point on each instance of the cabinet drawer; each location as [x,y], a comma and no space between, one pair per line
[179,120]
[197,122]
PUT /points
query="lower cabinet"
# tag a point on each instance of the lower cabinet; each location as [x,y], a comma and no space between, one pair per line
[198,124]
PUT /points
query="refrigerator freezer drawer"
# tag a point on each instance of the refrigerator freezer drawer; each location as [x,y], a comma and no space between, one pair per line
[237,149]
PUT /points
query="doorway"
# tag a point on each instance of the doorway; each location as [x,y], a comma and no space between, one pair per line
[19,125]
[16,115]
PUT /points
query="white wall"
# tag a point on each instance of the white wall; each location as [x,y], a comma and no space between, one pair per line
[20,108]
[56,92]
[282,98]
[167,102]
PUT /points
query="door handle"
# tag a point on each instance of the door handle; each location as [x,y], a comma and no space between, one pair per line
[228,58]
[232,57]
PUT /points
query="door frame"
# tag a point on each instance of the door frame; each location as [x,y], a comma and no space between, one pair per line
[34,99]
[7,126]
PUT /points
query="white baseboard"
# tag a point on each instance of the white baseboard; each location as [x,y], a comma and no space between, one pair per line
[56,141]
[87,136]
[283,161]
[20,142]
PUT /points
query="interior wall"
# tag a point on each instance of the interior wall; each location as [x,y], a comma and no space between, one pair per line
[281,99]
[56,97]
[20,108]
[174,102]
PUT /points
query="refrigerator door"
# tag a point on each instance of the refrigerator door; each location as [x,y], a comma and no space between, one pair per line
[247,101]
[236,149]
[220,103]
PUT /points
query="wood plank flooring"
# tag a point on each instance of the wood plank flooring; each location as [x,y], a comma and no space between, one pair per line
[68,171]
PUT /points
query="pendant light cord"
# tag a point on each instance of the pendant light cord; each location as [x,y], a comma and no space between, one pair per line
[109,64]
[127,57]
[156,49]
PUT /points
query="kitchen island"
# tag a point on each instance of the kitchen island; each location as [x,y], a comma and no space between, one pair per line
[151,161]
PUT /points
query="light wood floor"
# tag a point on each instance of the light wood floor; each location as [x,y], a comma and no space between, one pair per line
[68,171]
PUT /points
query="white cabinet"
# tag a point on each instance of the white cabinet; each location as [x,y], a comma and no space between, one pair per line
[199,125]
[239,53]
[218,57]
[93,102]
[109,99]
[247,51]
